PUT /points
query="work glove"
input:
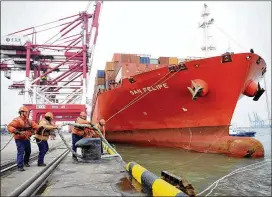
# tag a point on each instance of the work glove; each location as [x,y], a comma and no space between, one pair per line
[17,132]
[28,133]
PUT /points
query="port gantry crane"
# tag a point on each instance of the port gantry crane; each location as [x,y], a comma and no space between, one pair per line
[56,71]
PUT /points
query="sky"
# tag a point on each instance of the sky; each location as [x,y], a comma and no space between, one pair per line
[157,28]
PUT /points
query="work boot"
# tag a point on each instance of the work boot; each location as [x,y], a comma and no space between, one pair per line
[26,165]
[75,159]
[41,164]
[21,169]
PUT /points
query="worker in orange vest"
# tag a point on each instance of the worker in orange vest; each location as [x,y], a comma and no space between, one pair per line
[101,126]
[90,132]
[23,129]
[79,132]
[42,135]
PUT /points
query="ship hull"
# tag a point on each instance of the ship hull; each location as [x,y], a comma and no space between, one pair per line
[158,106]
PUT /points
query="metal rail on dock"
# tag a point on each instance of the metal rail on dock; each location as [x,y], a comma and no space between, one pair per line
[12,164]
[29,187]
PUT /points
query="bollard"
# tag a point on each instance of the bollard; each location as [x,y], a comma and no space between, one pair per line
[90,148]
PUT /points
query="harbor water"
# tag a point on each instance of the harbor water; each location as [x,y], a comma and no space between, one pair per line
[202,169]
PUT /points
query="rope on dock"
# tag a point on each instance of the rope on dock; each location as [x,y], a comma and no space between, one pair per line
[28,138]
[7,143]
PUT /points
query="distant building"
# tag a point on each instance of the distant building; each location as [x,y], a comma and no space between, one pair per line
[4,131]
[257,122]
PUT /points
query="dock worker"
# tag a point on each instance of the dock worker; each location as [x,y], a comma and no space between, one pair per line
[46,126]
[22,128]
[101,126]
[90,132]
[79,132]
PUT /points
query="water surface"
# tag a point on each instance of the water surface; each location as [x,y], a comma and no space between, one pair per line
[202,169]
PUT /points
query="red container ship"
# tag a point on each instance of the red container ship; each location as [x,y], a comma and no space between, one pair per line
[169,102]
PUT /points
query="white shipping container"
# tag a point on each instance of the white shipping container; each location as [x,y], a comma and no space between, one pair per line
[144,55]
[118,77]
[101,87]
[181,60]
[154,61]
[194,58]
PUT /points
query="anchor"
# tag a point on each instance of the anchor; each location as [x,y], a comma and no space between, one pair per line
[196,90]
[259,93]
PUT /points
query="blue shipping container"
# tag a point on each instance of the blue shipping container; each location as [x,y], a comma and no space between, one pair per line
[100,74]
[144,60]
[154,61]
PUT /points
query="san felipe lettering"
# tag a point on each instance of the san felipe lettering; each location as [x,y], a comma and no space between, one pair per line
[148,89]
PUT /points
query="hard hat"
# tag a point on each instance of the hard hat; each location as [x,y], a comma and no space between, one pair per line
[83,114]
[49,114]
[23,109]
[102,121]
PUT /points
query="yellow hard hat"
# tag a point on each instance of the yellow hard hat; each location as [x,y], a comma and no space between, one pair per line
[23,109]
[83,114]
[49,114]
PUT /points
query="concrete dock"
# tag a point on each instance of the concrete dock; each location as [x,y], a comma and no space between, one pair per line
[109,176]
[96,178]
[13,180]
[105,177]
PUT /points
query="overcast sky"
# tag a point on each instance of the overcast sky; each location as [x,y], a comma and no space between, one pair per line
[156,28]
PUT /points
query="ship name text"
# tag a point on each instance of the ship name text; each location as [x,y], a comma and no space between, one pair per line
[148,89]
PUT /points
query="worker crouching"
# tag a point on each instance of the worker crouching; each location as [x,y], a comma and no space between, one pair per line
[79,132]
[22,128]
[42,135]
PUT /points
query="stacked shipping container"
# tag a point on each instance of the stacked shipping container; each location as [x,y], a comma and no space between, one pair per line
[125,65]
[99,85]
[100,81]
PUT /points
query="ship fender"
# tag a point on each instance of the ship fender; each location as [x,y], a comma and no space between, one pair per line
[152,184]
[199,88]
[242,147]
[248,148]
